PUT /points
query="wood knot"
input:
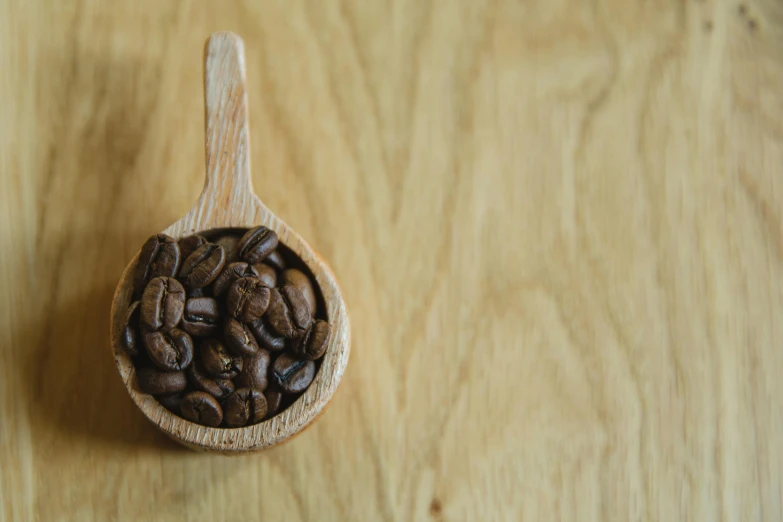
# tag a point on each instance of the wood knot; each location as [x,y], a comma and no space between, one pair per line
[435,507]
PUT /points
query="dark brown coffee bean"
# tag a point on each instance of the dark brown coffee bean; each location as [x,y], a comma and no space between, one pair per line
[129,338]
[265,336]
[170,350]
[159,256]
[239,339]
[203,265]
[247,299]
[274,398]
[230,274]
[189,244]
[200,380]
[162,304]
[217,361]
[156,382]
[230,243]
[244,406]
[276,260]
[266,274]
[299,279]
[257,244]
[201,317]
[171,402]
[312,345]
[254,371]
[293,375]
[202,408]
[288,313]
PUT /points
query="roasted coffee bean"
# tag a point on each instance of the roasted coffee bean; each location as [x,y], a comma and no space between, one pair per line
[203,265]
[171,402]
[293,375]
[217,361]
[202,408]
[156,382]
[299,279]
[266,274]
[276,260]
[247,299]
[162,304]
[159,256]
[239,338]
[230,274]
[312,345]
[189,244]
[257,244]
[244,406]
[254,371]
[201,317]
[265,336]
[274,398]
[230,243]
[199,379]
[129,338]
[170,350]
[288,313]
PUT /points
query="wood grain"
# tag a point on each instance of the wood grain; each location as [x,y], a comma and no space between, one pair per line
[556,223]
[228,201]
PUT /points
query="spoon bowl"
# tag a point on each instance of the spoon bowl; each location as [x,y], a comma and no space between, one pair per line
[228,201]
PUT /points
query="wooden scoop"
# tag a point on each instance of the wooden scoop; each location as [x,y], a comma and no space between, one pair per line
[227,201]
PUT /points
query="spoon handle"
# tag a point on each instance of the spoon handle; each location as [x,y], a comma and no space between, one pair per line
[228,190]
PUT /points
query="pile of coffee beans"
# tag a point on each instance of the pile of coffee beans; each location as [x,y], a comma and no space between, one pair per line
[223,328]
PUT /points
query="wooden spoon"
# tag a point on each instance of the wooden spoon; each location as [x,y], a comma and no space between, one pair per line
[227,201]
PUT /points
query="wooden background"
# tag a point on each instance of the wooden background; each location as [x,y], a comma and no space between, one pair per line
[557,225]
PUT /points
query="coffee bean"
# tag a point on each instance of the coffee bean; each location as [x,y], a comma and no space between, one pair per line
[298,279]
[239,338]
[230,243]
[217,361]
[312,345]
[274,398]
[247,299]
[203,265]
[257,244]
[202,408]
[293,375]
[156,382]
[288,313]
[230,274]
[266,274]
[254,371]
[171,402]
[170,350]
[128,333]
[159,256]
[199,379]
[276,260]
[201,317]
[189,244]
[244,406]
[162,304]
[265,336]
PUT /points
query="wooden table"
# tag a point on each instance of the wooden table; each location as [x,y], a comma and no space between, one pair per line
[557,225]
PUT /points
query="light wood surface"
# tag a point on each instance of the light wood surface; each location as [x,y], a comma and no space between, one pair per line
[228,201]
[556,224]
